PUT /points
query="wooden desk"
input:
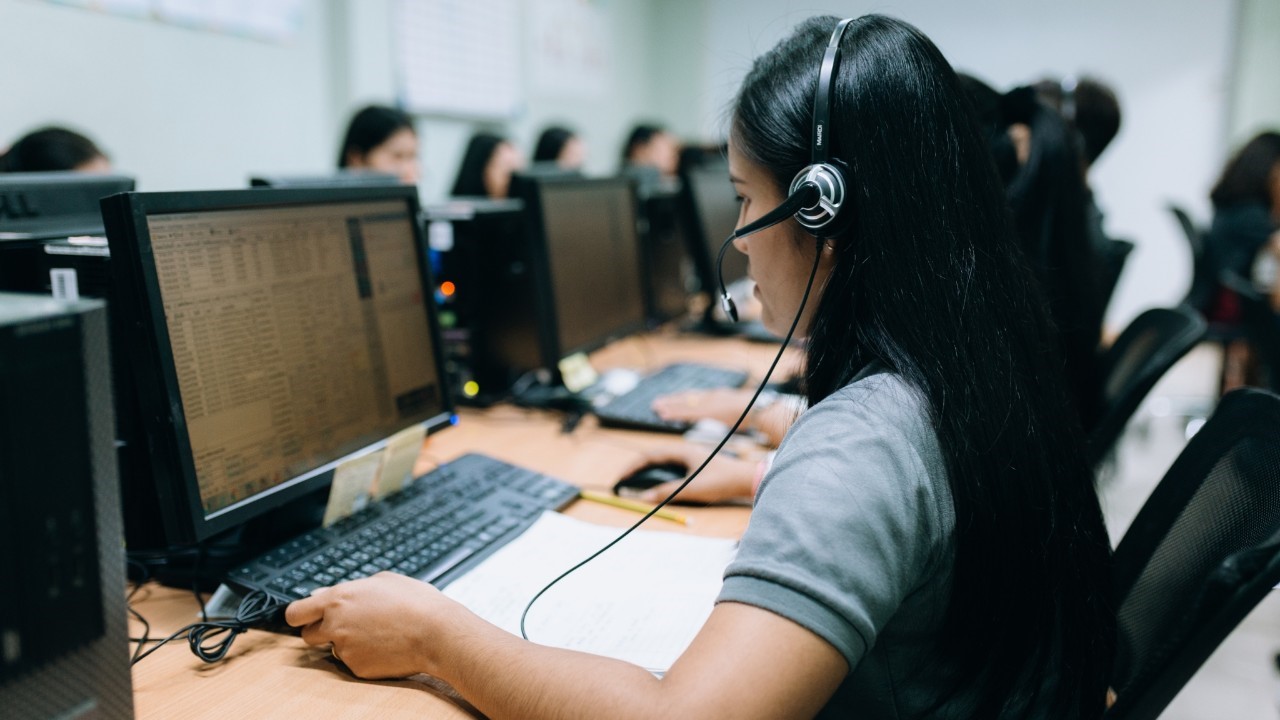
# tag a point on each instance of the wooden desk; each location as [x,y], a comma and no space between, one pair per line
[269,675]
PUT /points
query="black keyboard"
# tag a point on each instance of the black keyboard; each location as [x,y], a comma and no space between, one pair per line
[434,529]
[634,409]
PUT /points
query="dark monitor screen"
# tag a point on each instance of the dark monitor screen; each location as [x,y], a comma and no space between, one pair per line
[593,255]
[279,333]
[37,206]
[715,207]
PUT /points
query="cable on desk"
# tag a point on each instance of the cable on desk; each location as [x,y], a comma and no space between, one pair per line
[211,641]
[143,576]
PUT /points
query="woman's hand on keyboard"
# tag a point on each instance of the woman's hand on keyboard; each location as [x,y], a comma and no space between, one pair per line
[380,627]
[769,419]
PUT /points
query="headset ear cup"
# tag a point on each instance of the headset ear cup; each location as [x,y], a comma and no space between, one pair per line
[830,215]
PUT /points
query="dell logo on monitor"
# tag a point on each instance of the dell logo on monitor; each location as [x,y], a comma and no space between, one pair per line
[14,206]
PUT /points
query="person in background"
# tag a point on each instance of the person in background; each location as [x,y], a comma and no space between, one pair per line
[651,146]
[1246,216]
[1245,229]
[1037,158]
[487,166]
[381,139]
[928,542]
[562,147]
[54,148]
[1091,109]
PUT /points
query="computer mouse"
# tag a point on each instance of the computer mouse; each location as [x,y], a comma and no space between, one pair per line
[648,477]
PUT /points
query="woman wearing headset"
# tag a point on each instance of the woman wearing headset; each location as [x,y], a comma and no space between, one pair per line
[927,543]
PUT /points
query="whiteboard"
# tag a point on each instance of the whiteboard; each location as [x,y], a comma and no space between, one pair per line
[459,57]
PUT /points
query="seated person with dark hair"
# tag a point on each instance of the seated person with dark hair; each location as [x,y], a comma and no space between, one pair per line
[381,139]
[54,148]
[562,147]
[487,166]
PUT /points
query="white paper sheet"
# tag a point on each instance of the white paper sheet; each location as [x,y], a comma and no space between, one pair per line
[643,601]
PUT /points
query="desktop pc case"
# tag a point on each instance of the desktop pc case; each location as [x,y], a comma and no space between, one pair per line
[486,293]
[63,629]
[503,264]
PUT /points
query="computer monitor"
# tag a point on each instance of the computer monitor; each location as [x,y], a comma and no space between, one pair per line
[715,212]
[38,206]
[666,239]
[584,236]
[274,333]
[340,179]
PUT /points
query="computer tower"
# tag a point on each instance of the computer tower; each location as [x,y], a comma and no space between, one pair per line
[63,628]
[486,294]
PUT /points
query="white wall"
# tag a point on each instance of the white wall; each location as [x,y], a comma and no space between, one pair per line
[176,108]
[1168,60]
[1256,92]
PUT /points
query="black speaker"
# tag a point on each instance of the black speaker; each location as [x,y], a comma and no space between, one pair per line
[63,628]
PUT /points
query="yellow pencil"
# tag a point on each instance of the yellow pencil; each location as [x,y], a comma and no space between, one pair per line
[625,504]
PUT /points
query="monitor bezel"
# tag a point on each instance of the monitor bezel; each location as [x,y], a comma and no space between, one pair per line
[151,356]
[61,225]
[529,188]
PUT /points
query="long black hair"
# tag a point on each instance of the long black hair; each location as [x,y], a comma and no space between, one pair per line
[470,179]
[49,148]
[1246,177]
[929,281]
[369,128]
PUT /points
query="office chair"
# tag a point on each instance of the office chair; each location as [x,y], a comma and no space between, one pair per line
[1144,352]
[1261,327]
[1113,261]
[1202,552]
[1200,294]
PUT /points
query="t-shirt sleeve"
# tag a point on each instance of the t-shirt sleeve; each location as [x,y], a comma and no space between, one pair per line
[853,516]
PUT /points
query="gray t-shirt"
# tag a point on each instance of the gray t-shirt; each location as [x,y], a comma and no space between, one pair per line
[851,537]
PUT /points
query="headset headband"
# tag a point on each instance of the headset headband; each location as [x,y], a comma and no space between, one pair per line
[822,100]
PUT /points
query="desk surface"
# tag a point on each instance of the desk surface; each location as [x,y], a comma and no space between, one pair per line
[269,675]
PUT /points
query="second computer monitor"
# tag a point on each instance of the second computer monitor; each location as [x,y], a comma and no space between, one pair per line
[585,233]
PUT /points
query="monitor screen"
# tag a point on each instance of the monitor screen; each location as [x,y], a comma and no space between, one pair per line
[594,259]
[716,208]
[291,329]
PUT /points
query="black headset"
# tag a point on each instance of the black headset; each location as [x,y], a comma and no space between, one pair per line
[816,198]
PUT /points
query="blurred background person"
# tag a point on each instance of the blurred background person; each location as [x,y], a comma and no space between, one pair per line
[54,148]
[562,147]
[487,166]
[381,139]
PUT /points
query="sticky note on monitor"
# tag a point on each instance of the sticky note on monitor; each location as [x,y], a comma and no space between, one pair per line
[400,456]
[352,487]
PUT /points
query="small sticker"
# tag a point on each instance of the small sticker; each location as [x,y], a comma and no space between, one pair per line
[440,235]
[65,283]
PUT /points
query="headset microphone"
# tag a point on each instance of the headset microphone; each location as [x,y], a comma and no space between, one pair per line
[806,195]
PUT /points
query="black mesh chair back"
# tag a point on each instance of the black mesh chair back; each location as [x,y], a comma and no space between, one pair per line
[1144,352]
[1112,265]
[1200,293]
[1202,552]
[1261,327]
